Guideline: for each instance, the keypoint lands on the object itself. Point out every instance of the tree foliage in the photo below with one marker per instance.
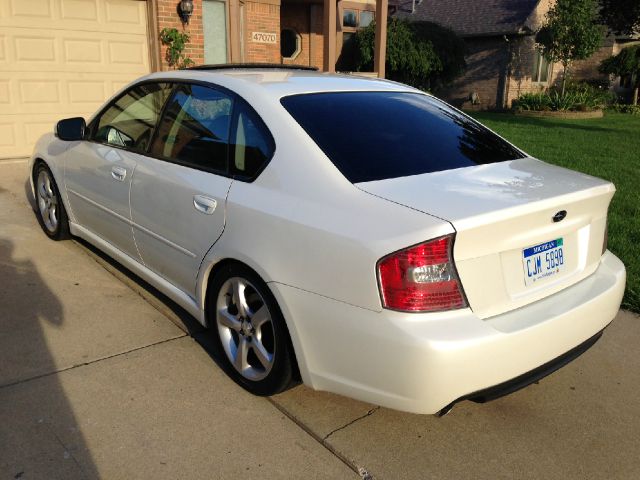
(621, 16)
(571, 32)
(423, 55)
(627, 62)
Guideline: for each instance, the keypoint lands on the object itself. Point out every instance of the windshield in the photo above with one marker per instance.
(378, 135)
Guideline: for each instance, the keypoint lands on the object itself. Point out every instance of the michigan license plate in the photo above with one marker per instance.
(543, 261)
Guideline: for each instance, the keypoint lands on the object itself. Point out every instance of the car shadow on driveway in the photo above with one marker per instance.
(33, 413)
(178, 315)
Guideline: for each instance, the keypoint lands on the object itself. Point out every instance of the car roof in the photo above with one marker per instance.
(280, 82)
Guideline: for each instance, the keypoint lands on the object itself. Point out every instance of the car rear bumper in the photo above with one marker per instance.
(421, 363)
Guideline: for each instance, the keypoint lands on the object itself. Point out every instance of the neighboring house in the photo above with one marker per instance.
(64, 58)
(502, 60)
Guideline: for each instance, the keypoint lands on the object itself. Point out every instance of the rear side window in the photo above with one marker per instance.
(194, 129)
(379, 135)
(129, 121)
(251, 145)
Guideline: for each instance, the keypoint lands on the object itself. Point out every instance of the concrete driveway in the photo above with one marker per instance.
(103, 377)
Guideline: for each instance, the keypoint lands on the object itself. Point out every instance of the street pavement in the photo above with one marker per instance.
(101, 376)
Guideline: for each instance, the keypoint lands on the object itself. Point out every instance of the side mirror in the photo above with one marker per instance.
(71, 129)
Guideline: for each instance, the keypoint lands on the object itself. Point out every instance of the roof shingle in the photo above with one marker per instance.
(470, 17)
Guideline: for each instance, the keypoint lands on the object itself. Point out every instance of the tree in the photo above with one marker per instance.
(449, 48)
(408, 60)
(621, 16)
(627, 62)
(571, 32)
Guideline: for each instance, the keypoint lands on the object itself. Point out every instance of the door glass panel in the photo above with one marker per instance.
(195, 128)
(130, 120)
(252, 145)
(214, 25)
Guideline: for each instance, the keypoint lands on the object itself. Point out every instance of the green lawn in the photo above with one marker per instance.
(609, 148)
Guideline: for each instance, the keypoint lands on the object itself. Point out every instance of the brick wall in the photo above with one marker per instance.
(261, 17)
(168, 18)
(306, 20)
(486, 57)
(296, 17)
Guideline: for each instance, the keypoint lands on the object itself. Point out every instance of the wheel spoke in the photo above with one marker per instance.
(42, 189)
(265, 357)
(240, 360)
(53, 217)
(47, 186)
(228, 320)
(260, 317)
(239, 299)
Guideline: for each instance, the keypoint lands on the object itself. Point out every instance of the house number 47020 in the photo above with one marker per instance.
(262, 37)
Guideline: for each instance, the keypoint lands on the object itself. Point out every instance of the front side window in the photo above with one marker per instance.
(379, 135)
(195, 128)
(252, 145)
(130, 120)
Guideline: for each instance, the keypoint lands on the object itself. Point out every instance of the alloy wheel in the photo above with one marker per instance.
(47, 201)
(245, 327)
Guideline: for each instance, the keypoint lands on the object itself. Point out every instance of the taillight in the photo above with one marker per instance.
(421, 278)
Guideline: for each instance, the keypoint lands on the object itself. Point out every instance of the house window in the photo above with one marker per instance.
(366, 17)
(350, 18)
(356, 19)
(289, 43)
(353, 20)
(541, 68)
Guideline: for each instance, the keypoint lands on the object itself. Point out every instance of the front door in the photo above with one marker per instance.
(98, 171)
(179, 191)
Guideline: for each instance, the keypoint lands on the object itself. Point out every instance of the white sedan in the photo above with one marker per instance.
(355, 233)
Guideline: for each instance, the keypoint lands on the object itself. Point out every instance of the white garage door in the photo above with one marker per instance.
(63, 58)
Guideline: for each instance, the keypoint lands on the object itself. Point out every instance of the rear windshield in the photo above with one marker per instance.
(379, 135)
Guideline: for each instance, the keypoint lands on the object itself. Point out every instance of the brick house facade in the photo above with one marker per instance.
(304, 18)
(502, 61)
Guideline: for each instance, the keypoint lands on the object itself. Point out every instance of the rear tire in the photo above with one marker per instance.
(251, 337)
(50, 210)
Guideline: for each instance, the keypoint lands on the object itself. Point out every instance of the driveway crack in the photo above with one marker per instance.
(346, 425)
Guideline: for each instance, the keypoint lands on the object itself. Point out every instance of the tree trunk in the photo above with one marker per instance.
(634, 101)
(564, 77)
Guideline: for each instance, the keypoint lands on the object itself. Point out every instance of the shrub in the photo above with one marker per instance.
(580, 96)
(424, 55)
(626, 108)
(175, 42)
(533, 101)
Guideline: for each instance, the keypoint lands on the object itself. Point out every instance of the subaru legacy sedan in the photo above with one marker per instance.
(354, 233)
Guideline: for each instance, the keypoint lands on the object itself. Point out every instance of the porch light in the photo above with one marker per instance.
(185, 9)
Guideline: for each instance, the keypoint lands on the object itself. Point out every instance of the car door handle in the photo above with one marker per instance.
(119, 173)
(204, 204)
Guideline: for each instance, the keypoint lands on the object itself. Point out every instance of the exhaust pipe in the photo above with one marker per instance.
(445, 410)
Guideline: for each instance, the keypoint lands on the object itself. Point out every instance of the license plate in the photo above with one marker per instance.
(543, 261)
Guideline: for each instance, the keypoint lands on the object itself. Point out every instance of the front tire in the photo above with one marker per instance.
(50, 210)
(251, 336)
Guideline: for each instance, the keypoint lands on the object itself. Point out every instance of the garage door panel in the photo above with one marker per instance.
(67, 93)
(79, 10)
(30, 8)
(109, 16)
(70, 51)
(64, 58)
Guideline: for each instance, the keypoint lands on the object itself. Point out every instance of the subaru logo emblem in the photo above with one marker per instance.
(558, 217)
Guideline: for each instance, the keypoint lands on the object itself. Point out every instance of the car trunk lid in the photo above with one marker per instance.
(503, 215)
